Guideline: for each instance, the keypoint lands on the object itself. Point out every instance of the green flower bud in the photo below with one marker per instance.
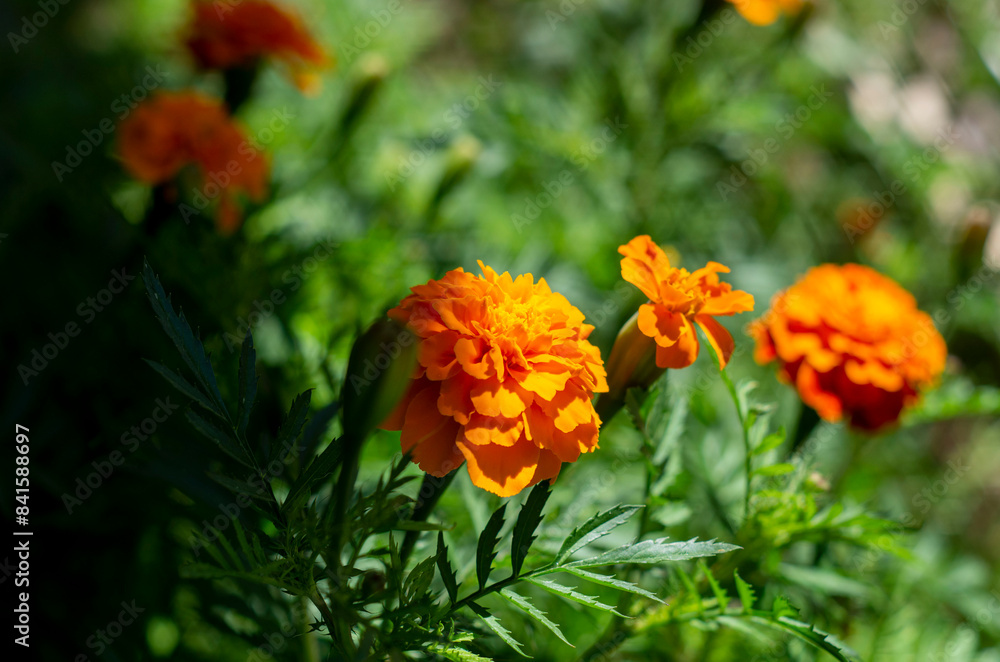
(378, 373)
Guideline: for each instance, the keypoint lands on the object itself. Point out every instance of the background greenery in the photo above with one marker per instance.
(405, 184)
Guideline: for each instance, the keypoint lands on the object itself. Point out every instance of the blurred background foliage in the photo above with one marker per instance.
(537, 137)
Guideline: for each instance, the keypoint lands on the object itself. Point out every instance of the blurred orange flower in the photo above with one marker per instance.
(852, 342)
(505, 380)
(765, 12)
(224, 35)
(678, 298)
(175, 129)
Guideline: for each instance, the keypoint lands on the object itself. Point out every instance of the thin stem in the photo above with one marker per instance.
(430, 493)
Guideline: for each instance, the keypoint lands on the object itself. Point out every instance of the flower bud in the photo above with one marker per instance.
(378, 372)
(632, 364)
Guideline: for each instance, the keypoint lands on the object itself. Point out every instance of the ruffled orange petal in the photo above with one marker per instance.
(644, 262)
(718, 337)
(682, 354)
(504, 471)
(660, 323)
(428, 435)
(730, 303)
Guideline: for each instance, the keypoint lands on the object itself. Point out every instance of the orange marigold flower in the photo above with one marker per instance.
(223, 35)
(677, 301)
(765, 12)
(853, 343)
(504, 380)
(174, 129)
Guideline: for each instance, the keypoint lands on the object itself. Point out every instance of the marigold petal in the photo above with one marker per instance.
(682, 354)
(481, 430)
(730, 303)
(718, 337)
(493, 398)
(643, 263)
(660, 323)
(454, 399)
(544, 379)
(548, 467)
(827, 405)
(504, 471)
(429, 436)
(437, 355)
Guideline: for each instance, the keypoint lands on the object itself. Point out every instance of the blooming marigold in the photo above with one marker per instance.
(853, 343)
(222, 36)
(676, 300)
(765, 12)
(174, 129)
(504, 380)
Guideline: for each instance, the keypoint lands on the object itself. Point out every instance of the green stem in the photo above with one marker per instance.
(430, 493)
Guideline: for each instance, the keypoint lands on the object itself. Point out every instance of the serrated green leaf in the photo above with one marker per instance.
(535, 613)
(593, 529)
(527, 521)
(184, 386)
(672, 435)
(456, 654)
(486, 549)
(572, 594)
(291, 428)
(419, 579)
(770, 442)
(184, 339)
(775, 469)
(319, 468)
(721, 597)
(409, 525)
(655, 551)
(247, 384)
(745, 591)
(447, 574)
(239, 486)
(783, 608)
(614, 582)
(495, 625)
(225, 443)
(822, 640)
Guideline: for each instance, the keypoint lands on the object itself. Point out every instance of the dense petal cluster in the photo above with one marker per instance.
(225, 35)
(852, 342)
(765, 12)
(504, 381)
(678, 300)
(172, 130)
